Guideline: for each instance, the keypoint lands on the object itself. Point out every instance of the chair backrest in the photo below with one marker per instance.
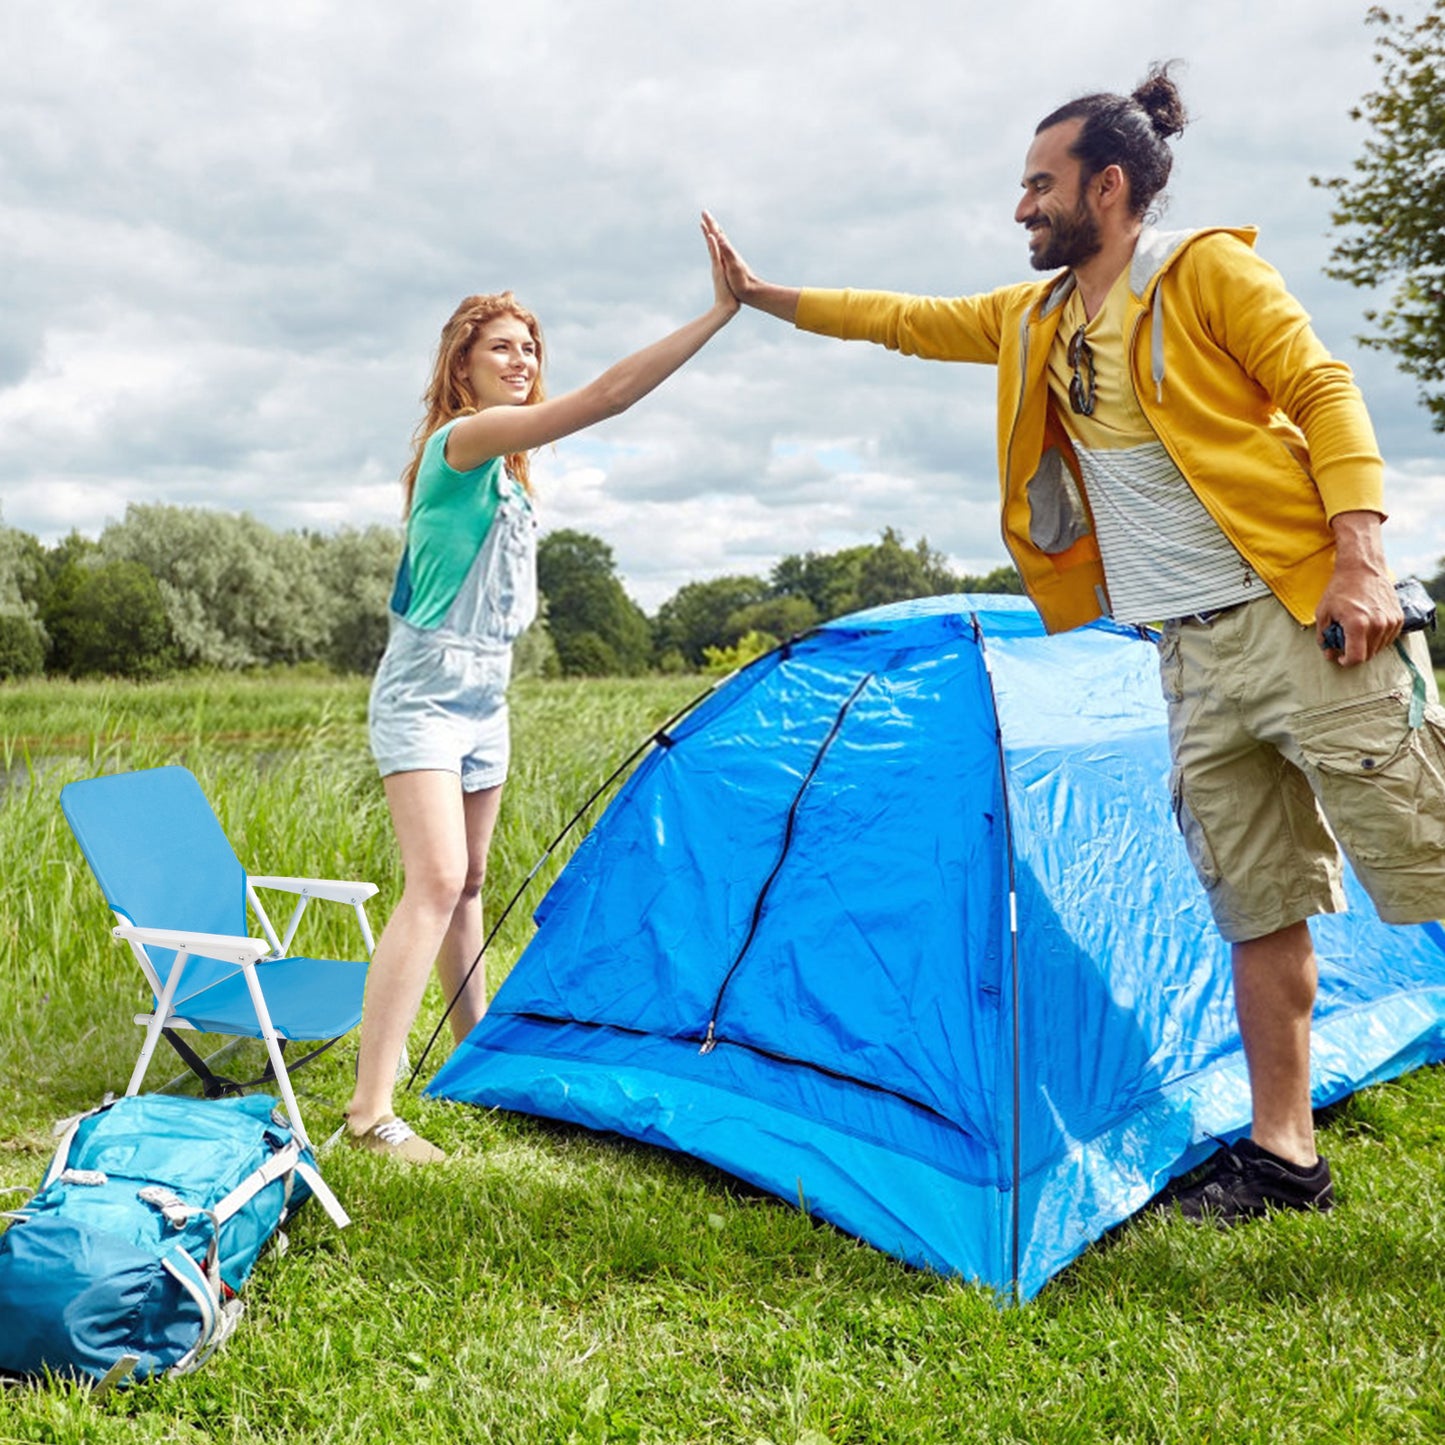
(160, 857)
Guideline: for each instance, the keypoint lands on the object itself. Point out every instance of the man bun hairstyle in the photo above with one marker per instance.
(1158, 97)
(1128, 131)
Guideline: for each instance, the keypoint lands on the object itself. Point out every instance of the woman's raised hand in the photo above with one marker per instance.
(750, 289)
(722, 292)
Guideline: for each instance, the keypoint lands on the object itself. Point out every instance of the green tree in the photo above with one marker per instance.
(829, 580)
(23, 581)
(891, 572)
(73, 549)
(534, 654)
(25, 569)
(23, 643)
(355, 571)
(236, 593)
(719, 661)
(868, 576)
(108, 618)
(1435, 586)
(700, 615)
(596, 627)
(776, 618)
(704, 620)
(1391, 207)
(1003, 579)
(589, 655)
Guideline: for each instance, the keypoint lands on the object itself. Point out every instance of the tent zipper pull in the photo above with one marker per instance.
(710, 1042)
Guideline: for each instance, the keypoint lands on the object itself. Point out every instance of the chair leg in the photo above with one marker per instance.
(157, 1023)
(288, 1094)
(148, 1048)
(273, 1049)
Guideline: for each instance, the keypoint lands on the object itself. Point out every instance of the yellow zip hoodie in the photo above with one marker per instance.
(1265, 425)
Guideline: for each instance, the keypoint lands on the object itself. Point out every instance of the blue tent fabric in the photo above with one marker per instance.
(897, 925)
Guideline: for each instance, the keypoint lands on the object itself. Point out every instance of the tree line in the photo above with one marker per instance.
(174, 587)
(180, 587)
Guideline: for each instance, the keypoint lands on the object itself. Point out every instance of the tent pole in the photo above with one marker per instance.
(1013, 924)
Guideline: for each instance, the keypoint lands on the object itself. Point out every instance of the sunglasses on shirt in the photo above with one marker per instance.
(1081, 391)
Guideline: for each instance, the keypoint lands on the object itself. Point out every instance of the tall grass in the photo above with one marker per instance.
(551, 1285)
(285, 763)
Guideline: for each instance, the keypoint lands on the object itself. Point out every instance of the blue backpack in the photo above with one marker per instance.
(128, 1259)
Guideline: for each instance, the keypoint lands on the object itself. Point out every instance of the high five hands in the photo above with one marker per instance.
(749, 288)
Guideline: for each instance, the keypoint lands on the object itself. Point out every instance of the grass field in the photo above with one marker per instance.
(550, 1285)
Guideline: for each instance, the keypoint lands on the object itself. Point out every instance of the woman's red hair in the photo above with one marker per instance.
(449, 393)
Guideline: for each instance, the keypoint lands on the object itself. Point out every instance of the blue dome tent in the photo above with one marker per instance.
(897, 925)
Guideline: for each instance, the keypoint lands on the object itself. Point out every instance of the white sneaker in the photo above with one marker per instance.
(396, 1138)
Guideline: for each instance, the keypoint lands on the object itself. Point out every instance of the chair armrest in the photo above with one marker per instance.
(223, 946)
(332, 889)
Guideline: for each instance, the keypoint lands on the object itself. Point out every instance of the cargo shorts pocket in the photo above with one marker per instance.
(1171, 664)
(1380, 782)
(1196, 840)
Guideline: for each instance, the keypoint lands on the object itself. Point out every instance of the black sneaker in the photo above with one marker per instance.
(1244, 1181)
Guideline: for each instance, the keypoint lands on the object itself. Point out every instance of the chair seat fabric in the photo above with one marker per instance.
(307, 998)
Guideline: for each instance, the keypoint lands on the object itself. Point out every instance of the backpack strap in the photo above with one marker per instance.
(319, 1187)
(61, 1160)
(285, 1161)
(278, 1166)
(177, 1213)
(22, 1214)
(217, 1320)
(114, 1376)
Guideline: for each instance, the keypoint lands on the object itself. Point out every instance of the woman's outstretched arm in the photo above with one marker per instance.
(500, 430)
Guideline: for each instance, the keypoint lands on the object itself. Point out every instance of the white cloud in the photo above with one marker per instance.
(232, 235)
(1415, 544)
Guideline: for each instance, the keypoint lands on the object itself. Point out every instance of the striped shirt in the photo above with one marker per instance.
(1164, 555)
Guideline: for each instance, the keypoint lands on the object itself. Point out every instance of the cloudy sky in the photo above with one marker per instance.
(231, 235)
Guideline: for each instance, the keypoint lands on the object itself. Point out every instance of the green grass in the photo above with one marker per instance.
(551, 1285)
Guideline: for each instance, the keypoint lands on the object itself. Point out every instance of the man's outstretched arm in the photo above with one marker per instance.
(751, 290)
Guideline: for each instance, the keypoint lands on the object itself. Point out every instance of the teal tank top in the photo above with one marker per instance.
(451, 514)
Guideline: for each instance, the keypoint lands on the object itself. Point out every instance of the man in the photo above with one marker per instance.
(1176, 446)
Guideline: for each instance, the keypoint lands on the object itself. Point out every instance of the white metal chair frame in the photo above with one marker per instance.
(245, 953)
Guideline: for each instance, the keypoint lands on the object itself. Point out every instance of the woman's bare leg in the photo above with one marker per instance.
(429, 816)
(463, 941)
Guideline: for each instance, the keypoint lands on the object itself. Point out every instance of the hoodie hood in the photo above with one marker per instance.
(1156, 249)
(1154, 253)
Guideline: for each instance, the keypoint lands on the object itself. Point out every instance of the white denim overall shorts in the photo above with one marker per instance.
(439, 699)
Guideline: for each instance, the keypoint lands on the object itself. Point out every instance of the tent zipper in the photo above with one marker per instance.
(710, 1039)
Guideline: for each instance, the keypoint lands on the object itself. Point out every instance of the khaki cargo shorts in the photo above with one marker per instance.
(1278, 752)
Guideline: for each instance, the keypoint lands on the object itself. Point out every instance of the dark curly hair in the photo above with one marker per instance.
(1128, 131)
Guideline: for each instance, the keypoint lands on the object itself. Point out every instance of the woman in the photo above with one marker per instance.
(465, 590)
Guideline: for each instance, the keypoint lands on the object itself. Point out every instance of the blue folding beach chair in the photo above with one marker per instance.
(180, 896)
